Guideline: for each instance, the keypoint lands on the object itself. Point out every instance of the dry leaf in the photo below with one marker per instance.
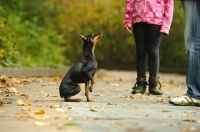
(43, 93)
(167, 124)
(165, 111)
(1, 104)
(2, 111)
(99, 95)
(54, 106)
(115, 85)
(165, 85)
(191, 120)
(183, 114)
(12, 90)
(25, 109)
(20, 102)
(39, 123)
(66, 117)
(137, 106)
(40, 112)
(2, 98)
(120, 123)
(82, 85)
(98, 110)
(60, 110)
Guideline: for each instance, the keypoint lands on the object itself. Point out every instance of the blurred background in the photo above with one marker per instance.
(44, 33)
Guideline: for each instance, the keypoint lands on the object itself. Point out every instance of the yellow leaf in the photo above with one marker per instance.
(115, 85)
(54, 106)
(40, 112)
(12, 90)
(39, 123)
(165, 85)
(98, 110)
(60, 110)
(20, 102)
(99, 94)
(137, 106)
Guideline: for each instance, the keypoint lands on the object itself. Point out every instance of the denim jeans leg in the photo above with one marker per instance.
(192, 46)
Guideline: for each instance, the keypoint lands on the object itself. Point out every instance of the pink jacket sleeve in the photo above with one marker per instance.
(169, 8)
(128, 13)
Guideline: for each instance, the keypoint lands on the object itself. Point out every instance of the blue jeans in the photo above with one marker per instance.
(192, 46)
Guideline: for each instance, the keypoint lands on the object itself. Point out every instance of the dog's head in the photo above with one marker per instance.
(91, 39)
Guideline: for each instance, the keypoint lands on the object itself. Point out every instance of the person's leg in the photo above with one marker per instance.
(153, 44)
(192, 46)
(141, 53)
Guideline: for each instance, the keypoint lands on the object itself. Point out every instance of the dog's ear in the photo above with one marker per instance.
(98, 36)
(83, 36)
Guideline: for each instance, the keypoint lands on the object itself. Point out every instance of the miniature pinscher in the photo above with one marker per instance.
(82, 71)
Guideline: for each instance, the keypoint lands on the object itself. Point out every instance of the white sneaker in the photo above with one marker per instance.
(185, 101)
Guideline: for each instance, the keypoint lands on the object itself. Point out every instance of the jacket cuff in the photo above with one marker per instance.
(164, 30)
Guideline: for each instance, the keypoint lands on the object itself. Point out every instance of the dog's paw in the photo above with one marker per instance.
(73, 100)
(90, 100)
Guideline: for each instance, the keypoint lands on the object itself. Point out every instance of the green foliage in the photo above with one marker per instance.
(44, 33)
(27, 37)
(117, 47)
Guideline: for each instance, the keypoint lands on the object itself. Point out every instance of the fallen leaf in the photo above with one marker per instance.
(120, 123)
(20, 102)
(165, 85)
(165, 111)
(2, 98)
(39, 123)
(2, 111)
(12, 90)
(25, 109)
(98, 95)
(98, 110)
(115, 85)
(82, 85)
(54, 106)
(60, 110)
(43, 93)
(137, 106)
(167, 124)
(66, 117)
(183, 114)
(1, 104)
(191, 120)
(52, 96)
(40, 112)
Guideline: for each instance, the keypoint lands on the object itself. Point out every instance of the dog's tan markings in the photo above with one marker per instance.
(80, 65)
(96, 38)
(83, 36)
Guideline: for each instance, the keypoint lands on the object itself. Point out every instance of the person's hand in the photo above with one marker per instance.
(128, 29)
(163, 33)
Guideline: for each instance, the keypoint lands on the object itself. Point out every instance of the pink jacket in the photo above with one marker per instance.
(158, 12)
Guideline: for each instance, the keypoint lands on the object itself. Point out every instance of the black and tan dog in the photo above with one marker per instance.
(82, 71)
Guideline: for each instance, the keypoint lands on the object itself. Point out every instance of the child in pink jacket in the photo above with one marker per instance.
(149, 19)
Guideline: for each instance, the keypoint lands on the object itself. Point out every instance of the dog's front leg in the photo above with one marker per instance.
(91, 86)
(87, 91)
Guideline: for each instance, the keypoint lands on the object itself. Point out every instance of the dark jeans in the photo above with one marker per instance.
(147, 39)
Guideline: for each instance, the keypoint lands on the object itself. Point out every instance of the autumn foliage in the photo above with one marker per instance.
(44, 33)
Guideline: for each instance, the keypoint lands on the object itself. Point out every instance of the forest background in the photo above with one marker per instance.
(44, 33)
